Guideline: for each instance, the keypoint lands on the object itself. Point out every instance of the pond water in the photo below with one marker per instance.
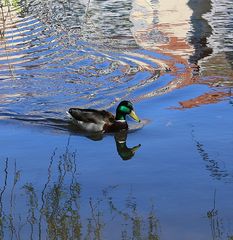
(173, 177)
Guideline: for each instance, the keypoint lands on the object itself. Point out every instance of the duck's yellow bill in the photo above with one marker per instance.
(134, 149)
(134, 116)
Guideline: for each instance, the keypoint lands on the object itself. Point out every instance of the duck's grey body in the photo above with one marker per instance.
(90, 119)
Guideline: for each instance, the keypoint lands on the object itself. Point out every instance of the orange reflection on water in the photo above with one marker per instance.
(168, 30)
(165, 31)
(207, 98)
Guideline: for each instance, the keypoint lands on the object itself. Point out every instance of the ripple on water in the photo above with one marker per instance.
(45, 72)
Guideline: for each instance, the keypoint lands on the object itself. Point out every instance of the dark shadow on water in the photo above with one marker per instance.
(201, 30)
(229, 56)
(216, 169)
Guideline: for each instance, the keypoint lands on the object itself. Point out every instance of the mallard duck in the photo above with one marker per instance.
(92, 120)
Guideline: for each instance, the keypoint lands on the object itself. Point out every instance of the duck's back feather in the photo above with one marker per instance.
(92, 115)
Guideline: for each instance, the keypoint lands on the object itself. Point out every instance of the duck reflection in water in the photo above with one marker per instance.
(125, 152)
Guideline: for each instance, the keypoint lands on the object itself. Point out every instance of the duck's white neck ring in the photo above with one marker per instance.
(122, 121)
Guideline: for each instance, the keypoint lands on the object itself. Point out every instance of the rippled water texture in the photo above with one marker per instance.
(46, 68)
(174, 61)
(64, 54)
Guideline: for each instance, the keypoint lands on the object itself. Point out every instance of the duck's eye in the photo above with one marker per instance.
(129, 105)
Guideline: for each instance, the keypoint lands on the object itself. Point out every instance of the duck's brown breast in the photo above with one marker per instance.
(116, 126)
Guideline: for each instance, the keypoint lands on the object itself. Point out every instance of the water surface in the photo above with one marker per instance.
(172, 178)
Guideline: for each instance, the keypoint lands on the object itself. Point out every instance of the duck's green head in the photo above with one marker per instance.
(126, 108)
